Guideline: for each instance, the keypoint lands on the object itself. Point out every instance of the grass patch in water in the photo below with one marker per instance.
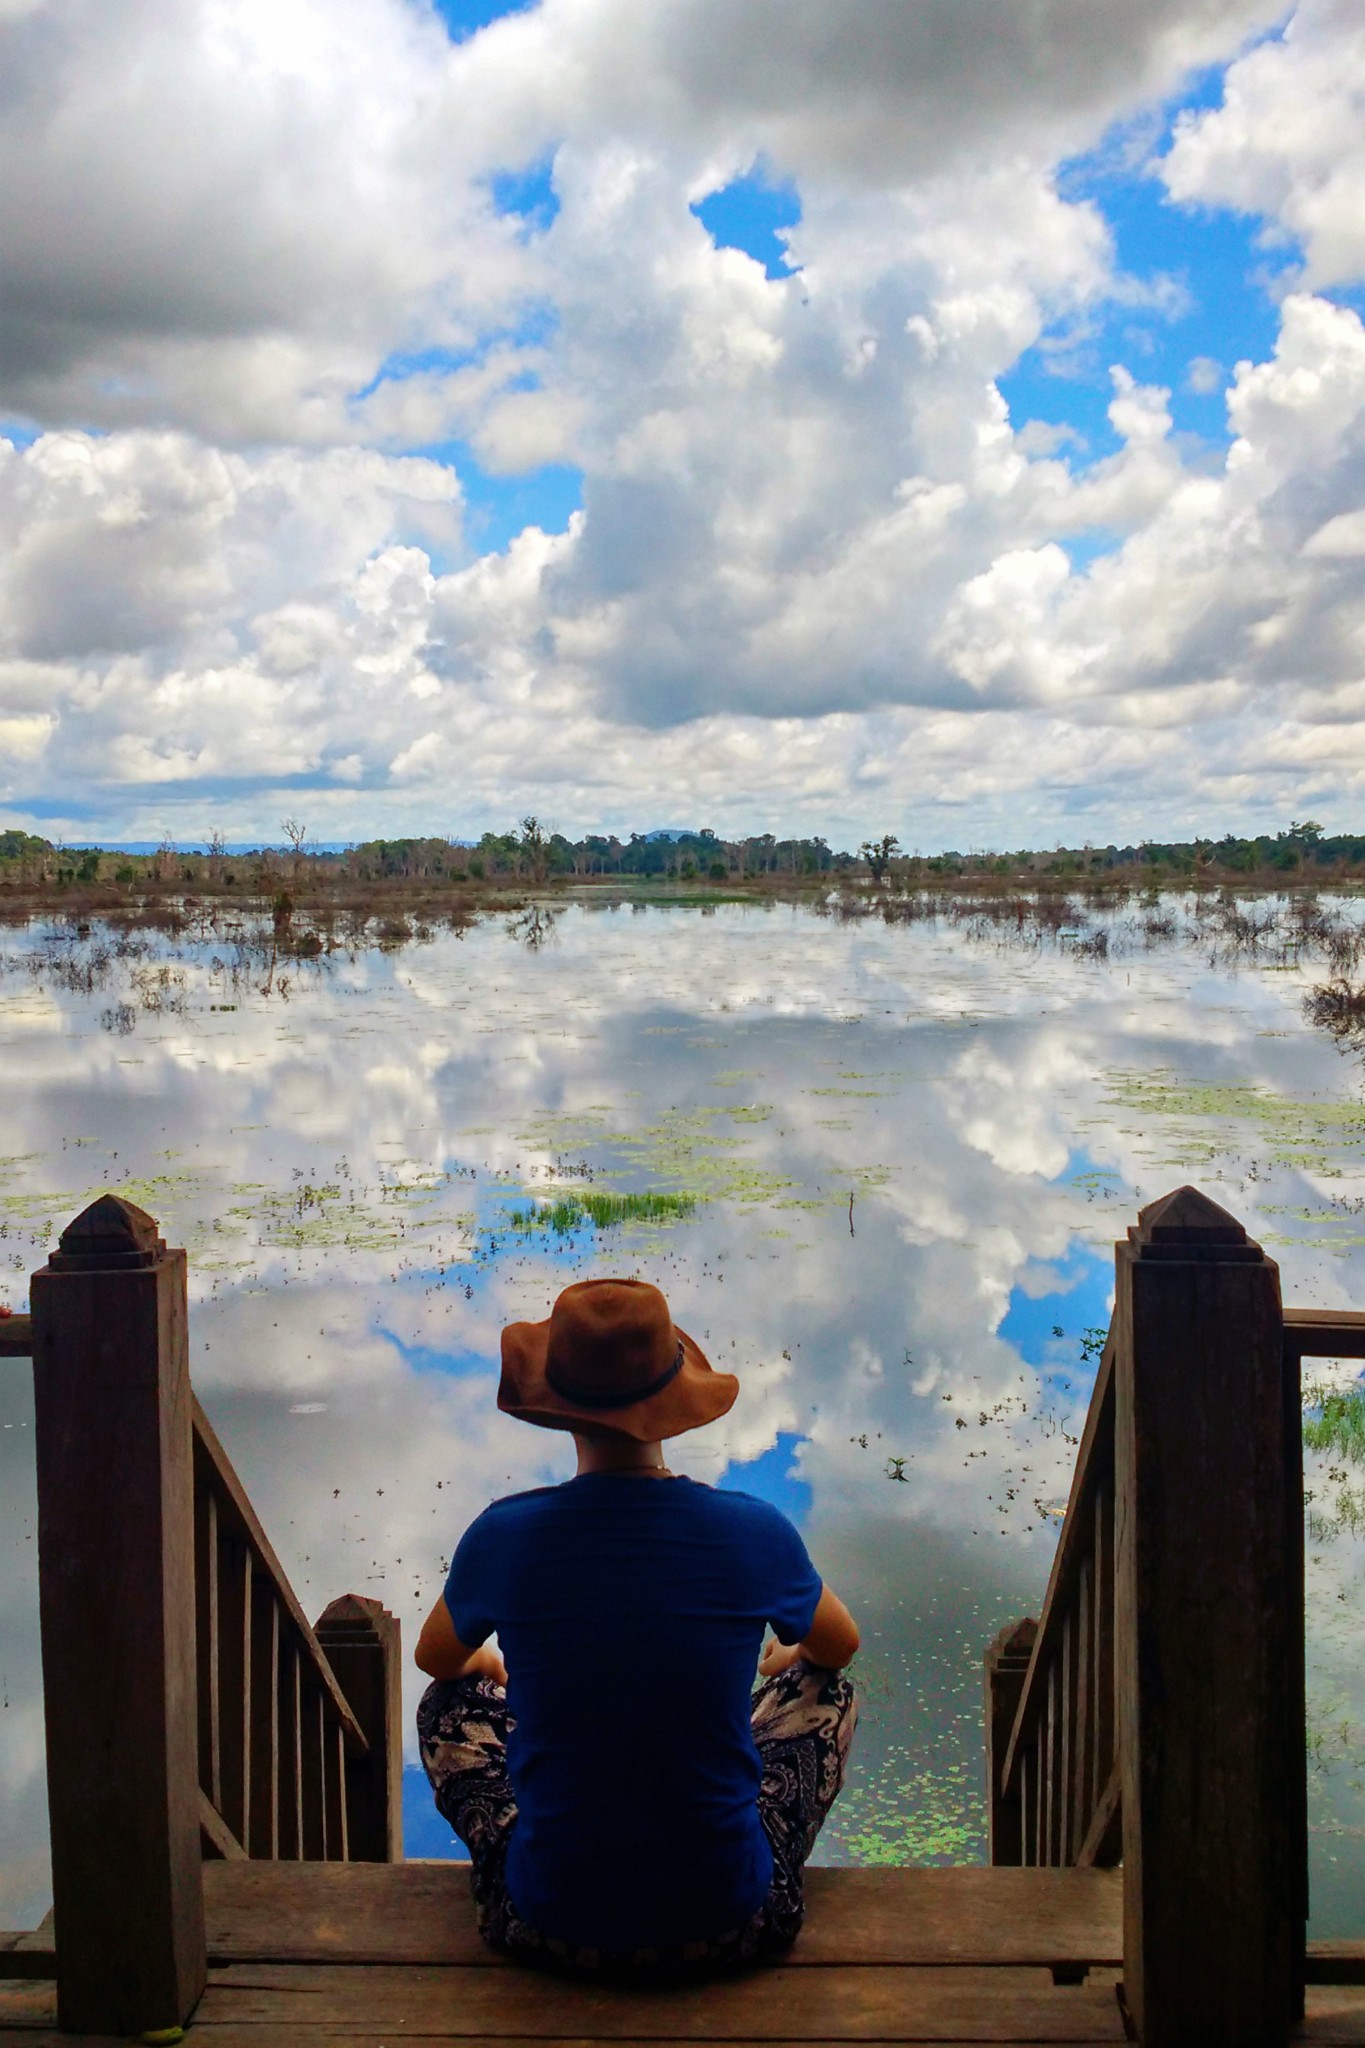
(603, 1211)
(1335, 1422)
(701, 1150)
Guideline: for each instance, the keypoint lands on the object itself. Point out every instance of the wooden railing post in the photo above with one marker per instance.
(116, 1601)
(361, 1640)
(1007, 1662)
(1208, 1612)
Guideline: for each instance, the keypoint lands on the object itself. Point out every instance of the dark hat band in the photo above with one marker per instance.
(594, 1398)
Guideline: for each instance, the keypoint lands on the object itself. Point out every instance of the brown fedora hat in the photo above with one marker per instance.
(610, 1357)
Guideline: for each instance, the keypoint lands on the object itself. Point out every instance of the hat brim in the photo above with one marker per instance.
(696, 1394)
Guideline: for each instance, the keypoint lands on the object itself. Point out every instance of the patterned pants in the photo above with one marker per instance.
(803, 1722)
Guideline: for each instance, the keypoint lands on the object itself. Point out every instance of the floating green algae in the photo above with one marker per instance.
(329, 1215)
(925, 1816)
(699, 1150)
(866, 1093)
(1202, 1121)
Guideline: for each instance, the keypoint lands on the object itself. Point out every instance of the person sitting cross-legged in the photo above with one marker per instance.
(632, 1808)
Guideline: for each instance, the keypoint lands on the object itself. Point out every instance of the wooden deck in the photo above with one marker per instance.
(335, 1953)
(1151, 1717)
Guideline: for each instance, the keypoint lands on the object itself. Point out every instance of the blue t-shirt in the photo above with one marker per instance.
(630, 1613)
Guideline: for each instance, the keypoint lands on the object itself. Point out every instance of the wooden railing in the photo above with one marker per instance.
(1054, 1766)
(16, 1336)
(191, 1709)
(285, 1765)
(1154, 1713)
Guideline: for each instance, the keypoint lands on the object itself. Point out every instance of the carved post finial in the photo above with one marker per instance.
(112, 1232)
(1186, 1225)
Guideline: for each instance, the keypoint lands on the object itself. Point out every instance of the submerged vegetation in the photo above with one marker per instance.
(1338, 1008)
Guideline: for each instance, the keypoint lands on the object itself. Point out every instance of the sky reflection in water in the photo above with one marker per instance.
(910, 1151)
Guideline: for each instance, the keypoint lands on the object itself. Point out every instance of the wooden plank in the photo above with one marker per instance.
(1337, 2014)
(837, 2004)
(264, 1825)
(424, 1913)
(235, 1509)
(1059, 1756)
(28, 2013)
(1084, 1727)
(1047, 1767)
(16, 1336)
(1104, 1752)
(26, 2006)
(1336, 1962)
(290, 1750)
(1094, 1464)
(363, 1644)
(1026, 1776)
(1066, 1747)
(28, 1957)
(1103, 1844)
(334, 1793)
(217, 1836)
(327, 2037)
(234, 1680)
(31, 1954)
(1005, 1665)
(1206, 1611)
(116, 1597)
(1296, 1758)
(1325, 1332)
(312, 1726)
(207, 1623)
(1040, 1811)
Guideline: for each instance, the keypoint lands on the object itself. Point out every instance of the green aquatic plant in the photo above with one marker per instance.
(915, 1816)
(1334, 1421)
(603, 1209)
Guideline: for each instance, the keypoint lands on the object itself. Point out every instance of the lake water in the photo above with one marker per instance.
(909, 1150)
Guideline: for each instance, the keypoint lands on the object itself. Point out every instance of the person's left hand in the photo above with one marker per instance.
(486, 1662)
(777, 1657)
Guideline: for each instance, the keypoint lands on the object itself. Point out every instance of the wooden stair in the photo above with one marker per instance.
(331, 1953)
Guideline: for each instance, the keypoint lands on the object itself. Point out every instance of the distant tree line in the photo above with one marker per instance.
(527, 854)
(532, 854)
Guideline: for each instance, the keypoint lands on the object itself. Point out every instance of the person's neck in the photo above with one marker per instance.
(619, 1454)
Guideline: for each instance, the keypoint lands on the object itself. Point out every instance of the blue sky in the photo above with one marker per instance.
(1203, 297)
(896, 430)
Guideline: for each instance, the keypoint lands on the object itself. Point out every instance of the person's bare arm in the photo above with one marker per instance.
(830, 1640)
(441, 1654)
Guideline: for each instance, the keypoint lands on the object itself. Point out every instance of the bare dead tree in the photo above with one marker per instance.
(295, 833)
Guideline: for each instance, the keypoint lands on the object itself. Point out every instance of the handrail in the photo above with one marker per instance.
(1055, 1798)
(1324, 1332)
(214, 1470)
(281, 1750)
(16, 1336)
(1094, 1460)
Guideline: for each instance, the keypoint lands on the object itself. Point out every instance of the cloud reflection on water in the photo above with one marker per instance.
(341, 1166)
